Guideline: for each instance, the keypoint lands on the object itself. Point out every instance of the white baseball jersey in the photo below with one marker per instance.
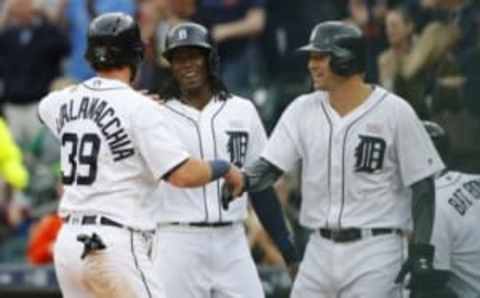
(356, 169)
(456, 232)
(229, 130)
(115, 149)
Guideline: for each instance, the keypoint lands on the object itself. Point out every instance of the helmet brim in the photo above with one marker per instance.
(313, 48)
(167, 54)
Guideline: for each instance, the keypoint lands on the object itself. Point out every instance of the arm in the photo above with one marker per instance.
(195, 173)
(423, 210)
(420, 251)
(435, 40)
(252, 24)
(261, 175)
(269, 211)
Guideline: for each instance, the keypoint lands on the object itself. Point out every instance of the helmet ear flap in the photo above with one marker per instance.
(343, 62)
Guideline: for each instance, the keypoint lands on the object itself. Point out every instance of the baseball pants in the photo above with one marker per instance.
(122, 270)
(206, 262)
(357, 269)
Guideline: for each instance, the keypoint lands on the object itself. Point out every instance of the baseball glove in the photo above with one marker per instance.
(430, 283)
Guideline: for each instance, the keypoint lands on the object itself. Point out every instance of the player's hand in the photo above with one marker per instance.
(152, 96)
(425, 281)
(420, 259)
(234, 180)
(233, 187)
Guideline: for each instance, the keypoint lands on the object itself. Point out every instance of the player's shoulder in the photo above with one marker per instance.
(306, 102)
(138, 101)
(49, 101)
(392, 99)
(240, 103)
(449, 179)
(59, 93)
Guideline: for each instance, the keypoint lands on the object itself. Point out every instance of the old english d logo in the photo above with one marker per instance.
(369, 153)
(237, 147)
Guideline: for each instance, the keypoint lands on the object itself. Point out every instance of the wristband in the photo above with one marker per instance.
(219, 168)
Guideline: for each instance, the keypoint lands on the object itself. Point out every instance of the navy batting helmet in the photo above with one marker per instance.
(191, 35)
(344, 43)
(113, 41)
(439, 137)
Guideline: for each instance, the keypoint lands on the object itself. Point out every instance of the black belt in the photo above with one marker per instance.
(202, 224)
(353, 234)
(92, 220)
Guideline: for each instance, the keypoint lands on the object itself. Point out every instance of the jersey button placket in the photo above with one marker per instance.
(336, 180)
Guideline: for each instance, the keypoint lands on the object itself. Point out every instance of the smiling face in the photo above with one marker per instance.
(190, 69)
(322, 76)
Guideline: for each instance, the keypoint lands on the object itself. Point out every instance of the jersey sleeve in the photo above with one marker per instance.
(442, 237)
(159, 147)
(258, 137)
(283, 147)
(417, 156)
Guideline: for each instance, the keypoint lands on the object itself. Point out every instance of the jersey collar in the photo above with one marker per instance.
(447, 179)
(375, 96)
(103, 84)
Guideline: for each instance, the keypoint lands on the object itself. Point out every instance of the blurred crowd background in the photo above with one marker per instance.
(427, 51)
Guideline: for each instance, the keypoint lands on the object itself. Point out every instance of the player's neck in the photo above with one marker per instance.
(349, 95)
(199, 99)
(119, 74)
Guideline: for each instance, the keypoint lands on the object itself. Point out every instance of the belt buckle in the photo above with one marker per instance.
(367, 233)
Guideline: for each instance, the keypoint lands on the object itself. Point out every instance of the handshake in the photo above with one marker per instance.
(234, 186)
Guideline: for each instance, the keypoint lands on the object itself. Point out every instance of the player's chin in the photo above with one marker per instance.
(190, 85)
(319, 86)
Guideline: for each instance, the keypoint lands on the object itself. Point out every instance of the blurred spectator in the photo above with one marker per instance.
(400, 33)
(466, 15)
(31, 50)
(77, 16)
(458, 112)
(42, 238)
(11, 167)
(43, 235)
(442, 45)
(369, 15)
(154, 19)
(235, 24)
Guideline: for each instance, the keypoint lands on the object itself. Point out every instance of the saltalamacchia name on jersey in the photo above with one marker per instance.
(106, 120)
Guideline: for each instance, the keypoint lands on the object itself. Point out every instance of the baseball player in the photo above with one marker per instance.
(365, 156)
(114, 152)
(202, 250)
(456, 235)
